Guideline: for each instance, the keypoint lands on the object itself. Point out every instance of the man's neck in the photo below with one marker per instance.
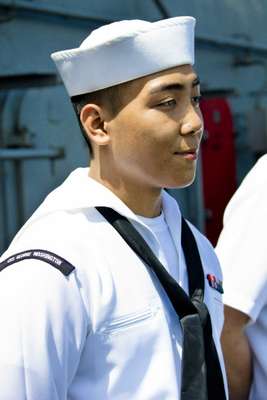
(141, 199)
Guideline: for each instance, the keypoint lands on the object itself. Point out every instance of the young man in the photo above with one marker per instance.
(242, 252)
(107, 329)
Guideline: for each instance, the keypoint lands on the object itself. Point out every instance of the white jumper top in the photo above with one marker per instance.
(242, 251)
(107, 331)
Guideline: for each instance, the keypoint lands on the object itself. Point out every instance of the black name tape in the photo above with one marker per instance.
(42, 255)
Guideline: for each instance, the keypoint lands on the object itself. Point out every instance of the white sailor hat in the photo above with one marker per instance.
(126, 50)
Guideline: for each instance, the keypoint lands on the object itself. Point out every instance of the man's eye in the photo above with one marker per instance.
(167, 103)
(196, 100)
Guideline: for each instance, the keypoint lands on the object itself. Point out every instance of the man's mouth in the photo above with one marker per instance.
(190, 154)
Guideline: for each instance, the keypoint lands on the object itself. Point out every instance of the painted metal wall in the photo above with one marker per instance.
(40, 141)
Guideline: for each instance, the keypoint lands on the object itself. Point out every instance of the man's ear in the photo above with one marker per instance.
(93, 121)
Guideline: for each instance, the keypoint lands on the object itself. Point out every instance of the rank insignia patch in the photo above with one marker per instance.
(215, 283)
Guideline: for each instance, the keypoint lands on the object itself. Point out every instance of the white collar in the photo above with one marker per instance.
(79, 191)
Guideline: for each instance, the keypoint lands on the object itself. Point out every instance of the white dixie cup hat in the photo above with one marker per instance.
(125, 50)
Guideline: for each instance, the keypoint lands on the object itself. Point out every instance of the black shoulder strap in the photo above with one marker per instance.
(193, 262)
(132, 237)
(42, 255)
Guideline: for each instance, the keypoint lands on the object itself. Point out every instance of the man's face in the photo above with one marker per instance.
(155, 137)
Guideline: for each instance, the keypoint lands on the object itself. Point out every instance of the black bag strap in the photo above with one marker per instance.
(201, 371)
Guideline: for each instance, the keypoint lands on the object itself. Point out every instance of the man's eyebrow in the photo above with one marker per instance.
(196, 82)
(172, 86)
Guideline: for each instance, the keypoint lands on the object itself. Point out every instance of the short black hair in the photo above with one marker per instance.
(110, 97)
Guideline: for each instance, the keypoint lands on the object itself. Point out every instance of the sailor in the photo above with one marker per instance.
(96, 298)
(242, 252)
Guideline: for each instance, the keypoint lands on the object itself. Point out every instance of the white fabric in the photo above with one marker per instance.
(126, 50)
(243, 255)
(167, 253)
(105, 332)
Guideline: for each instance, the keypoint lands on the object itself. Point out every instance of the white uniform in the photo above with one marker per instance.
(107, 331)
(243, 255)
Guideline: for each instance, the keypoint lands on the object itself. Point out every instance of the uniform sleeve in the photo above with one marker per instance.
(43, 329)
(242, 249)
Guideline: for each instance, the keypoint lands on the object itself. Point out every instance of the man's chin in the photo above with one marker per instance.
(181, 184)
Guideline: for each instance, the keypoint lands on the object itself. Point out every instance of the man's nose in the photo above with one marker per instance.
(192, 123)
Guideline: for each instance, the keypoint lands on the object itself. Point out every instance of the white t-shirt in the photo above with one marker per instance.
(242, 251)
(166, 252)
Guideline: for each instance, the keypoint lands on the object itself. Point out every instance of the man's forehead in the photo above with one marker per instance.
(182, 75)
(173, 78)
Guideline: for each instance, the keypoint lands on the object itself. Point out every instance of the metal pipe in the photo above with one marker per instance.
(19, 191)
(4, 228)
(19, 154)
(162, 8)
(234, 43)
(51, 9)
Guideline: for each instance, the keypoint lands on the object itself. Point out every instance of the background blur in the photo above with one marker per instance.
(40, 142)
